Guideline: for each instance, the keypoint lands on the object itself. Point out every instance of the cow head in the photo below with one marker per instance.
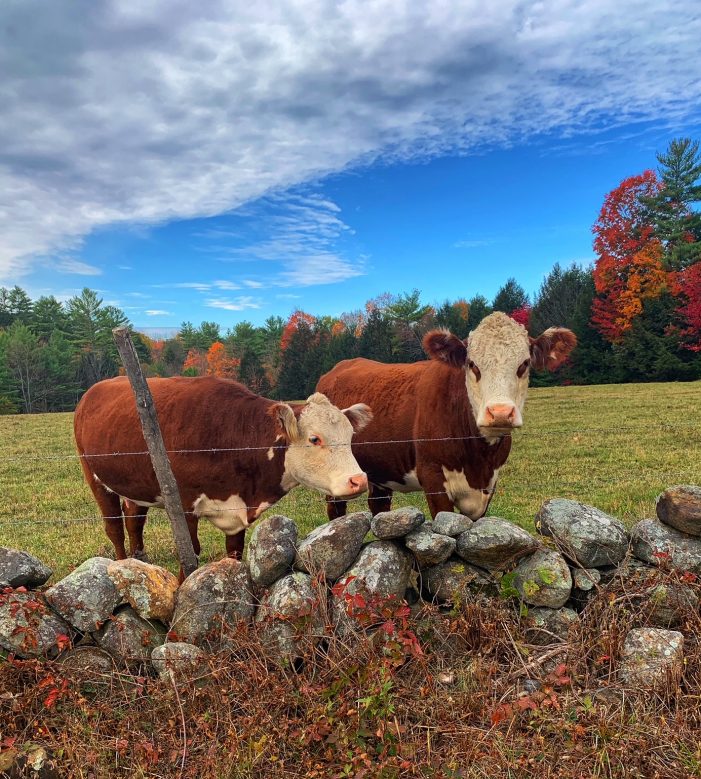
(319, 453)
(497, 357)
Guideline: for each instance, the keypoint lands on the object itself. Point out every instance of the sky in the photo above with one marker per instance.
(236, 160)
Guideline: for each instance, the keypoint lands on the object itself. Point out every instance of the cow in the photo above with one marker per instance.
(446, 421)
(233, 453)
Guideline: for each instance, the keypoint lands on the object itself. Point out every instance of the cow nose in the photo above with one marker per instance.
(357, 483)
(501, 415)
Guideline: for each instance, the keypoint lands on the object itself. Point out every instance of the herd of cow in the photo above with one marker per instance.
(441, 425)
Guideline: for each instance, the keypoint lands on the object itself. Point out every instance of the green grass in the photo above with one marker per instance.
(614, 446)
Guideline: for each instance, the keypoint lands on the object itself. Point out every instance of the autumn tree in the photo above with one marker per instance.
(219, 363)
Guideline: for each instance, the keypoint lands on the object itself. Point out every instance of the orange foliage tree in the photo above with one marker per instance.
(292, 325)
(630, 265)
(195, 363)
(219, 363)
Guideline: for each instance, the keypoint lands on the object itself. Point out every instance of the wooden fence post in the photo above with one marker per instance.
(157, 450)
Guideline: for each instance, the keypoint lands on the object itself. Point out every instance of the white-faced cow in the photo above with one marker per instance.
(265, 449)
(445, 420)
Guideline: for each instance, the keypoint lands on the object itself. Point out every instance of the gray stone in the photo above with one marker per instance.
(429, 548)
(21, 569)
(680, 507)
(543, 579)
(667, 605)
(495, 544)
(585, 579)
(583, 533)
(215, 597)
(548, 626)
(653, 542)
(272, 549)
(149, 589)
(129, 638)
(28, 627)
(652, 658)
(176, 660)
(87, 596)
(30, 761)
(397, 523)
(91, 666)
(448, 523)
(456, 581)
(382, 569)
(290, 615)
(331, 548)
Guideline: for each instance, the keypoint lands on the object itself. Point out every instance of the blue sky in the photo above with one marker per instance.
(231, 163)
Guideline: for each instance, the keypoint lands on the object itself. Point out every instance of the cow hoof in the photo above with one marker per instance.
(140, 554)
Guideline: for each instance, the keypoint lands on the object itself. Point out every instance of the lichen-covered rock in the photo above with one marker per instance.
(91, 666)
(21, 569)
(290, 615)
(211, 600)
(548, 626)
(585, 579)
(397, 523)
(456, 581)
(29, 761)
(653, 542)
(176, 659)
(495, 544)
(652, 658)
(448, 523)
(331, 548)
(668, 604)
(680, 508)
(381, 569)
(429, 548)
(583, 533)
(149, 589)
(129, 638)
(271, 549)
(87, 596)
(29, 628)
(543, 579)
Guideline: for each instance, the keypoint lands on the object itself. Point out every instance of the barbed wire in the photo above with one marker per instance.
(663, 426)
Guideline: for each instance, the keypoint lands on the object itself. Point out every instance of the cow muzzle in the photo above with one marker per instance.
(501, 416)
(356, 485)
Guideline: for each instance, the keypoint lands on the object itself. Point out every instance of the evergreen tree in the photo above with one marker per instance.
(454, 317)
(252, 372)
(479, 309)
(48, 316)
(297, 375)
(376, 339)
(23, 362)
(556, 300)
(510, 297)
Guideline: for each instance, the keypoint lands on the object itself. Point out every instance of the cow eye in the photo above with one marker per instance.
(474, 369)
(522, 368)
(314, 440)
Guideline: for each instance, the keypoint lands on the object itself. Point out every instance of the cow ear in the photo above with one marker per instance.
(359, 415)
(286, 420)
(443, 345)
(552, 348)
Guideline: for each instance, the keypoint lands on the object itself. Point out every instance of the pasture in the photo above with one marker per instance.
(614, 446)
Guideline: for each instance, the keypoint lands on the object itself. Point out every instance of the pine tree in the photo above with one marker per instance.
(479, 309)
(376, 339)
(556, 300)
(510, 297)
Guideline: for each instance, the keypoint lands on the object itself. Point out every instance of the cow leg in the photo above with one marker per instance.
(135, 519)
(379, 499)
(111, 510)
(335, 508)
(234, 545)
(433, 484)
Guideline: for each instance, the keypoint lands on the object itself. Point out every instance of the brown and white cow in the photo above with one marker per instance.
(445, 420)
(274, 447)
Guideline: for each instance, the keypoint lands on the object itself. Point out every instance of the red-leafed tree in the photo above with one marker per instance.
(522, 315)
(195, 363)
(630, 264)
(292, 326)
(688, 289)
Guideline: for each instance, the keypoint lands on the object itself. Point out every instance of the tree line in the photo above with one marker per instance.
(636, 313)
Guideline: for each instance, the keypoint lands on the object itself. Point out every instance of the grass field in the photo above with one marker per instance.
(614, 446)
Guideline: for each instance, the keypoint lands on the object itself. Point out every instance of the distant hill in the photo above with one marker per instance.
(158, 333)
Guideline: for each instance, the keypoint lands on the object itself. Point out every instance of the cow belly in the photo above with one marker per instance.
(409, 483)
(471, 501)
(230, 515)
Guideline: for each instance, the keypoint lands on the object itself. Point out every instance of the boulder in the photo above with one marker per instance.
(89, 665)
(456, 581)
(215, 597)
(397, 523)
(495, 544)
(271, 549)
(680, 508)
(382, 569)
(653, 542)
(29, 628)
(668, 604)
(129, 638)
(429, 548)
(290, 615)
(585, 579)
(543, 579)
(548, 626)
(583, 533)
(87, 596)
(448, 523)
(149, 589)
(652, 658)
(331, 548)
(21, 569)
(177, 660)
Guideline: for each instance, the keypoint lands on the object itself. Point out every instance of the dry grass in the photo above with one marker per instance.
(615, 446)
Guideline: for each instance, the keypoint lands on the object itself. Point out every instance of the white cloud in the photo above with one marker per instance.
(145, 113)
(157, 312)
(253, 284)
(472, 243)
(238, 304)
(69, 265)
(223, 284)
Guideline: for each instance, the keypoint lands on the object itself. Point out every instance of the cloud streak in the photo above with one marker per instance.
(141, 114)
